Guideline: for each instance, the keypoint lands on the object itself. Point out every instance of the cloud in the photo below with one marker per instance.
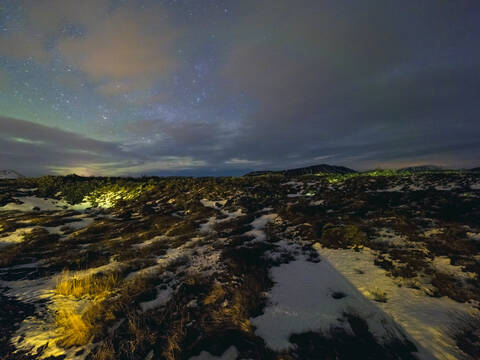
(23, 45)
(48, 16)
(120, 48)
(35, 149)
(32, 148)
(129, 50)
(131, 168)
(4, 80)
(328, 77)
(43, 20)
(64, 140)
(179, 136)
(243, 162)
(281, 83)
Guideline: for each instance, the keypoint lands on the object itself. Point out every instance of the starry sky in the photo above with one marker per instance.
(210, 87)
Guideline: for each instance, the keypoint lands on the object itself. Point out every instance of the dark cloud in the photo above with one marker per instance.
(328, 72)
(35, 149)
(36, 133)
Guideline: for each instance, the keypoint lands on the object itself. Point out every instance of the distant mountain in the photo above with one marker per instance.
(422, 168)
(10, 174)
(314, 169)
(477, 169)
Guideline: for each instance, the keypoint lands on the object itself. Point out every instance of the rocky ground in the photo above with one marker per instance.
(382, 265)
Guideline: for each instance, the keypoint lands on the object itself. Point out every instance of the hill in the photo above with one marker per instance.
(422, 168)
(314, 169)
(10, 174)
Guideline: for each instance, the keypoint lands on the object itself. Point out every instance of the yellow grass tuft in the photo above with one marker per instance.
(95, 286)
(74, 328)
(77, 326)
(217, 293)
(379, 295)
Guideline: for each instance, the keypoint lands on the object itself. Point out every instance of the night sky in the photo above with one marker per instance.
(203, 87)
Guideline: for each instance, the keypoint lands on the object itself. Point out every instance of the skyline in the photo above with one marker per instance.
(110, 87)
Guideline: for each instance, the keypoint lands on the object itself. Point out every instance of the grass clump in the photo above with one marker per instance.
(217, 293)
(379, 295)
(76, 327)
(94, 286)
(77, 324)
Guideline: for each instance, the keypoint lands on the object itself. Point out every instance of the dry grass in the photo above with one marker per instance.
(140, 338)
(174, 339)
(74, 329)
(217, 293)
(379, 295)
(234, 315)
(95, 286)
(77, 326)
(105, 351)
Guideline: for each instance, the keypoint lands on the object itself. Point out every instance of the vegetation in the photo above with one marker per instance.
(153, 270)
(96, 286)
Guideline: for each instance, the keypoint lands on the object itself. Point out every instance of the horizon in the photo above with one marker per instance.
(239, 172)
(222, 88)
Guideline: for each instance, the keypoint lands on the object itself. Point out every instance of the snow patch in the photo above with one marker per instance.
(397, 188)
(212, 220)
(443, 264)
(15, 237)
(302, 300)
(213, 203)
(473, 236)
(259, 225)
(427, 320)
(163, 295)
(230, 354)
(28, 203)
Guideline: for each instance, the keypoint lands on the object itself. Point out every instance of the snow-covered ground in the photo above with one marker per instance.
(230, 354)
(15, 237)
(427, 320)
(40, 332)
(309, 293)
(311, 296)
(259, 225)
(217, 205)
(29, 203)
(9, 174)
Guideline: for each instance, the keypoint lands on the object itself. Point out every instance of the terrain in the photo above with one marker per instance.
(9, 174)
(376, 265)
